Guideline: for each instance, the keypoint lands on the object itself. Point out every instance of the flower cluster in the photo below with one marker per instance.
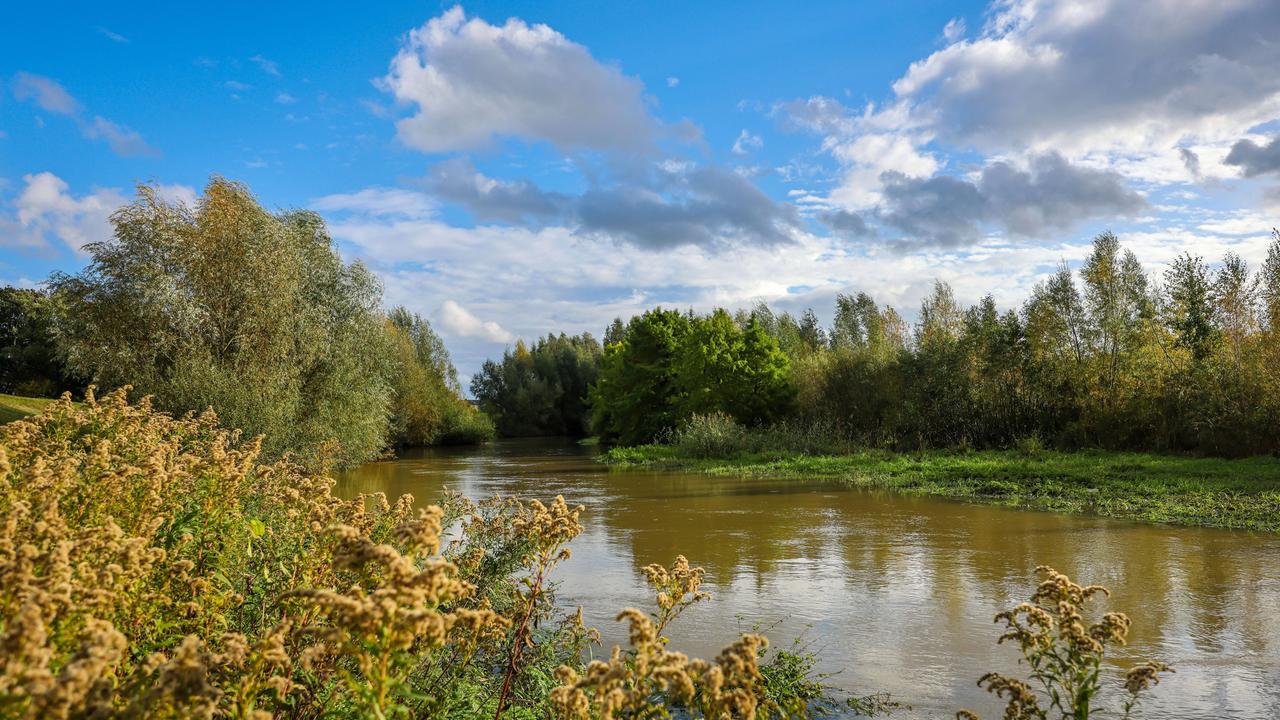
(648, 678)
(1064, 653)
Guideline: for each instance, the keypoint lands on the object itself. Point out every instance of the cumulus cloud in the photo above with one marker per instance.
(48, 94)
(1135, 75)
(46, 212)
(847, 224)
(675, 204)
(708, 207)
(1050, 194)
(458, 320)
(472, 82)
(378, 202)
(1254, 159)
(485, 198)
(1190, 160)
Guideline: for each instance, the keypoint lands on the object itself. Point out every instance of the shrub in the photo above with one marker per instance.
(1065, 655)
(152, 567)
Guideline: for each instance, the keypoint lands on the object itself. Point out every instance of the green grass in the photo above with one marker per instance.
(16, 407)
(1208, 492)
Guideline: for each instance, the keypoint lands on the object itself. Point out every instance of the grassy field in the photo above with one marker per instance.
(14, 407)
(1209, 492)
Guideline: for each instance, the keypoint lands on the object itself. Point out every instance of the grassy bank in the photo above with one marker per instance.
(15, 407)
(1208, 492)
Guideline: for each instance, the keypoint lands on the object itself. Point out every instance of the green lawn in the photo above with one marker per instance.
(15, 407)
(1210, 492)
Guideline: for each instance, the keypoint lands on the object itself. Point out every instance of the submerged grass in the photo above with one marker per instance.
(1208, 492)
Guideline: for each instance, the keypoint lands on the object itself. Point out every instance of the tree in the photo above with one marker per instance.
(1269, 282)
(29, 363)
(226, 305)
(1235, 296)
(426, 406)
(540, 390)
(634, 402)
(1190, 310)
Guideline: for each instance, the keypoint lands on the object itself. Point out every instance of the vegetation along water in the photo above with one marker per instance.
(222, 530)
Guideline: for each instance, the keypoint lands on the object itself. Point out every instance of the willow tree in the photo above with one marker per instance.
(226, 305)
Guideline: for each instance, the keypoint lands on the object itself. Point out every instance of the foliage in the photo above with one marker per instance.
(1099, 358)
(152, 567)
(226, 305)
(648, 680)
(669, 367)
(1107, 359)
(540, 390)
(426, 408)
(1211, 492)
(1064, 655)
(29, 363)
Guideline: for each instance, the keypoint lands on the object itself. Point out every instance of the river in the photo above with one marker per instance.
(896, 593)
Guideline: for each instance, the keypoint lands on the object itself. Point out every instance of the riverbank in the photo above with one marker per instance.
(1206, 492)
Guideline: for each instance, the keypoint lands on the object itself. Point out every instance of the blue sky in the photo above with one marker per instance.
(514, 168)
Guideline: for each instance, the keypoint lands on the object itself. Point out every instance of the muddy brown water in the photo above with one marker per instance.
(896, 593)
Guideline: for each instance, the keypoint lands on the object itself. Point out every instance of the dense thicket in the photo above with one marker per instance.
(29, 362)
(540, 390)
(154, 567)
(666, 367)
(426, 405)
(1106, 357)
(254, 314)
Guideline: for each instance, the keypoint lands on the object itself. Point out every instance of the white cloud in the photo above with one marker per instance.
(457, 319)
(123, 141)
(673, 81)
(269, 67)
(285, 98)
(45, 92)
(954, 29)
(47, 211)
(112, 36)
(472, 82)
(378, 202)
(49, 95)
(746, 142)
(1132, 76)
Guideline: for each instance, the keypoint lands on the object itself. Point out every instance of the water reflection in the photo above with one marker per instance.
(897, 592)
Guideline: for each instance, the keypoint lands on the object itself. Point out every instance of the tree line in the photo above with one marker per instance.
(252, 313)
(1106, 356)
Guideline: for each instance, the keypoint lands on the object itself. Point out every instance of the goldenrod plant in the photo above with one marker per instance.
(153, 567)
(1064, 655)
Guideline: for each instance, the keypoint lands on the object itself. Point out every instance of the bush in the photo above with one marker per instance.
(151, 567)
(1064, 655)
(229, 306)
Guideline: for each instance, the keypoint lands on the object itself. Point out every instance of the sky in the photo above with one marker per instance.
(513, 169)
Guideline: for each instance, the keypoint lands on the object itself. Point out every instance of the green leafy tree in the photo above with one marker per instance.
(540, 390)
(29, 362)
(635, 399)
(229, 306)
(1190, 310)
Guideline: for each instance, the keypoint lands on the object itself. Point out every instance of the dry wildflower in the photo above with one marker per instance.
(1064, 653)
(546, 532)
(648, 678)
